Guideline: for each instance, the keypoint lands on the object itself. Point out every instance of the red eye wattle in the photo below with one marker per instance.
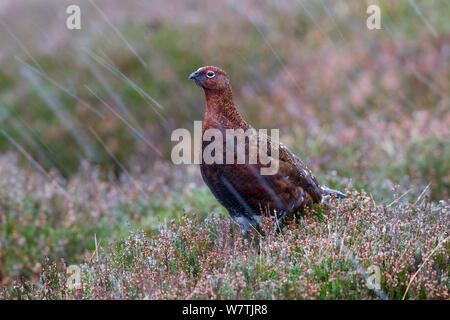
(210, 73)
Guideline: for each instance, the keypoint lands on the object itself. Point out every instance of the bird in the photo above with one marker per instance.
(240, 187)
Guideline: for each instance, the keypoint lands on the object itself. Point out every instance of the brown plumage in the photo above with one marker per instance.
(241, 188)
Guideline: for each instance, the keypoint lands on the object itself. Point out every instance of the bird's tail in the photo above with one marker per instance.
(331, 192)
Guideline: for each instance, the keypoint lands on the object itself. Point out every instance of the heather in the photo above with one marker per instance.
(367, 110)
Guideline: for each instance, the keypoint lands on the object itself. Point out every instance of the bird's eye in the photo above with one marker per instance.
(210, 74)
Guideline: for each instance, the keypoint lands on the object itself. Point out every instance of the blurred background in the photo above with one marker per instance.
(368, 105)
(365, 109)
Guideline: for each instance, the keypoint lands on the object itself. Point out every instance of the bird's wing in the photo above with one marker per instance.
(294, 168)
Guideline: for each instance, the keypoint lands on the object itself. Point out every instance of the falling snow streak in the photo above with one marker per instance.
(121, 166)
(266, 41)
(422, 17)
(331, 15)
(416, 73)
(36, 164)
(20, 44)
(119, 34)
(116, 98)
(149, 99)
(69, 122)
(33, 140)
(67, 91)
(138, 133)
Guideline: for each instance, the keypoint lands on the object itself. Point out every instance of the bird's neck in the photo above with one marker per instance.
(220, 109)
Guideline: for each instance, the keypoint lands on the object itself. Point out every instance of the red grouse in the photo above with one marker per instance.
(241, 188)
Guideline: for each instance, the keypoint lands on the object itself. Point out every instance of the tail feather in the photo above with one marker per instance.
(331, 192)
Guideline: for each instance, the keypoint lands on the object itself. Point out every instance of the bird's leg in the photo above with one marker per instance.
(243, 222)
(256, 223)
(278, 220)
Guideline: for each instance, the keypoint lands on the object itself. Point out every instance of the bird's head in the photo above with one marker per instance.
(211, 78)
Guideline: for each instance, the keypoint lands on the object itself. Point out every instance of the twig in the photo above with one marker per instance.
(396, 200)
(423, 263)
(374, 203)
(422, 193)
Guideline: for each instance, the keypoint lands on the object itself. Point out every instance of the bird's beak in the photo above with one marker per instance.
(193, 75)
